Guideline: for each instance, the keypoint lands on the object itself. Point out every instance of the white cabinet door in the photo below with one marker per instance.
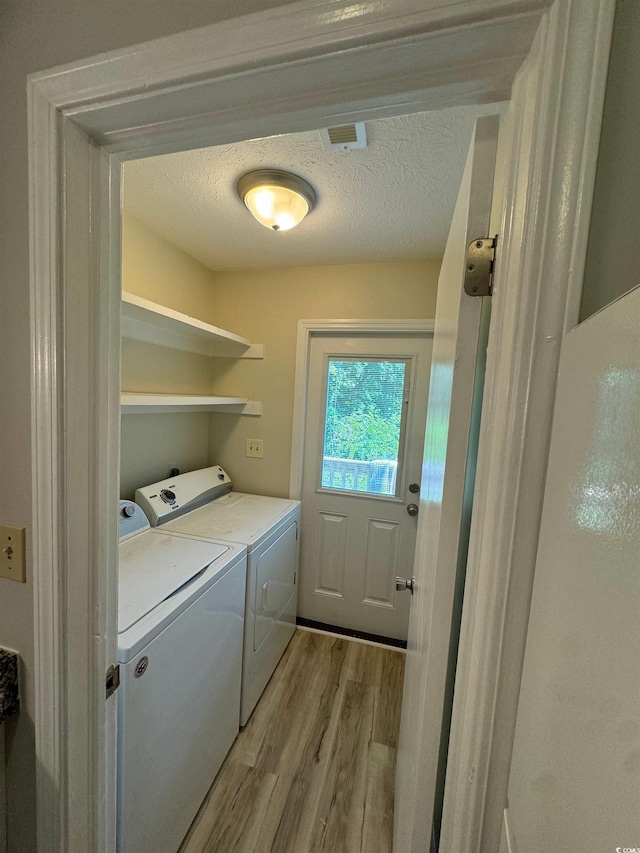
(574, 784)
(366, 408)
(444, 501)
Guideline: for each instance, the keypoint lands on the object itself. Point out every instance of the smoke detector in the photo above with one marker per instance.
(345, 137)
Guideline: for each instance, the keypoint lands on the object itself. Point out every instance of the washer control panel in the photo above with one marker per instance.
(173, 497)
(131, 519)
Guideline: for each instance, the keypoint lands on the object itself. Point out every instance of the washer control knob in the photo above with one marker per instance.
(221, 476)
(128, 510)
(167, 496)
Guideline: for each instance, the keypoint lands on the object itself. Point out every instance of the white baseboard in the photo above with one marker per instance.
(507, 834)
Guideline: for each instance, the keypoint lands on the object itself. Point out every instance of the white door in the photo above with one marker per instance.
(366, 406)
(444, 501)
(574, 783)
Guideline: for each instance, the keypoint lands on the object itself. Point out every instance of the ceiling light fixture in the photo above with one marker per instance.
(278, 200)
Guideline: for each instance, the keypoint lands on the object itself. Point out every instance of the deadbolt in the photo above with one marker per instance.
(412, 509)
(414, 488)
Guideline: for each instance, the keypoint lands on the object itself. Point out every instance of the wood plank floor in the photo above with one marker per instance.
(314, 768)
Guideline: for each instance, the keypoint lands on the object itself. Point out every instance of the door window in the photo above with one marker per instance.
(365, 413)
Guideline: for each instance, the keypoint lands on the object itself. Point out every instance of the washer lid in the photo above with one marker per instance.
(155, 566)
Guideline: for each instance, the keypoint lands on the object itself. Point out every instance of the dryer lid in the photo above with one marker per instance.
(236, 517)
(154, 566)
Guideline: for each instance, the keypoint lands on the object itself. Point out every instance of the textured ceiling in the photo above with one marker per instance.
(391, 201)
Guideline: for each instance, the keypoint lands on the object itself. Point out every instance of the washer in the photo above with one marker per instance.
(180, 634)
(269, 527)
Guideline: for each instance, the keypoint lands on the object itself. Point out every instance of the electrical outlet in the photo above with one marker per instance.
(253, 447)
(12, 557)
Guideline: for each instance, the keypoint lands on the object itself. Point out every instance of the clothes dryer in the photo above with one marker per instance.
(269, 527)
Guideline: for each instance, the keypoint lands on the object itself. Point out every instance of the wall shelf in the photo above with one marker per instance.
(147, 321)
(140, 404)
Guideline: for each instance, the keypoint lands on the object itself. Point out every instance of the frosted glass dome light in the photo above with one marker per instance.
(278, 200)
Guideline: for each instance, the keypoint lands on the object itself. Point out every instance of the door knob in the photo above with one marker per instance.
(412, 509)
(403, 583)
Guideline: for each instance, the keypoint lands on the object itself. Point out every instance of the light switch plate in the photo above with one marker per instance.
(253, 447)
(12, 553)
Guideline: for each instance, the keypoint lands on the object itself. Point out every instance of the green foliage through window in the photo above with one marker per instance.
(363, 421)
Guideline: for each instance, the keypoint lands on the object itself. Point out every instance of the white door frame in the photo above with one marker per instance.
(300, 66)
(556, 118)
(308, 329)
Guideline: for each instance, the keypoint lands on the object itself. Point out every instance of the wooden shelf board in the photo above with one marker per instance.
(147, 321)
(136, 404)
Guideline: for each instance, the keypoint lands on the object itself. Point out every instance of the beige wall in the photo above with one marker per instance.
(149, 451)
(153, 444)
(612, 263)
(157, 270)
(265, 306)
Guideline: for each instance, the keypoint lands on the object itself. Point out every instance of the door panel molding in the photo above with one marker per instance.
(381, 538)
(332, 582)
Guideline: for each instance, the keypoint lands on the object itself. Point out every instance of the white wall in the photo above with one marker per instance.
(612, 262)
(574, 783)
(35, 36)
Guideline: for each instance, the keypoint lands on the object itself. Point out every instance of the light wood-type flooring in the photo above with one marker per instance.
(314, 768)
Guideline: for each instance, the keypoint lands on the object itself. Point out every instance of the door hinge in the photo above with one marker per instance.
(113, 679)
(478, 273)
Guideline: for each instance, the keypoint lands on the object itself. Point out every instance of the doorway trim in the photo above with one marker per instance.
(322, 62)
(556, 118)
(308, 329)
